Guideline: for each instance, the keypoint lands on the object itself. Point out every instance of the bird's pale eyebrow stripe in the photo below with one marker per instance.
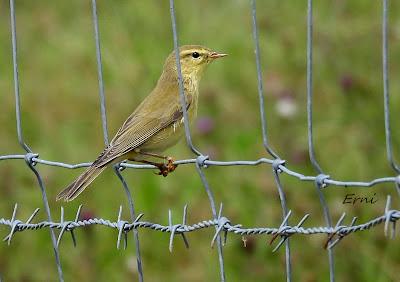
(189, 52)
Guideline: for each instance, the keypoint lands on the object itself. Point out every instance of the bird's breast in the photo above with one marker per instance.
(170, 135)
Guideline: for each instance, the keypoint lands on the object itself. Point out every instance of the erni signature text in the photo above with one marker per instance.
(353, 199)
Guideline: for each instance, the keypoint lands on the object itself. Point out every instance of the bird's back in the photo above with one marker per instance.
(157, 123)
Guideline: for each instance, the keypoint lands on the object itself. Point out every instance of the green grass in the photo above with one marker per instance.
(61, 121)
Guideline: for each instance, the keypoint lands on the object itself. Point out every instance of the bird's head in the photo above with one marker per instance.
(193, 59)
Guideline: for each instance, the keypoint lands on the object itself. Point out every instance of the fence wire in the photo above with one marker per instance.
(222, 224)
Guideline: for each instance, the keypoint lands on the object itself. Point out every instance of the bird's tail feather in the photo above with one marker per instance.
(80, 184)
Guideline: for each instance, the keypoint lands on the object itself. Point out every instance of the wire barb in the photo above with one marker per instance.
(14, 225)
(173, 229)
(340, 235)
(184, 216)
(121, 229)
(66, 226)
(281, 231)
(390, 217)
(336, 230)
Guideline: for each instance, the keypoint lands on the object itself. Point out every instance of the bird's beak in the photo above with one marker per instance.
(215, 55)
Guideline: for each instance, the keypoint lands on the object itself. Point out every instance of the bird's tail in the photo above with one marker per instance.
(80, 184)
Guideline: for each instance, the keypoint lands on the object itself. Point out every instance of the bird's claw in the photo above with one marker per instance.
(165, 169)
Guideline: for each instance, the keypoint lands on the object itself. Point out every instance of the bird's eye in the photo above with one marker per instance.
(195, 55)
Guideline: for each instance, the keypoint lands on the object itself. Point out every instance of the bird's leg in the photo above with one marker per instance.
(164, 168)
(169, 165)
(161, 166)
(153, 155)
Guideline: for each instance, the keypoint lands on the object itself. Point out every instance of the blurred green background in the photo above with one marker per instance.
(61, 122)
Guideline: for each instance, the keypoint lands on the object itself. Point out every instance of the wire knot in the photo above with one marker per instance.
(29, 158)
(222, 221)
(119, 167)
(277, 163)
(398, 180)
(200, 160)
(320, 180)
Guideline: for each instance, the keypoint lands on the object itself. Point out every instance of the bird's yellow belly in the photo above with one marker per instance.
(164, 139)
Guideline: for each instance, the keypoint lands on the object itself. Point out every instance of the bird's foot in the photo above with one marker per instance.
(170, 164)
(165, 169)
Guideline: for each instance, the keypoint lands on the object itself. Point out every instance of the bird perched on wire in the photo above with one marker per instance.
(157, 123)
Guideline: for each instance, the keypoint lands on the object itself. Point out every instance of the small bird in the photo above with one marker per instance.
(157, 123)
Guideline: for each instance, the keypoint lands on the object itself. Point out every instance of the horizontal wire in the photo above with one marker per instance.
(282, 167)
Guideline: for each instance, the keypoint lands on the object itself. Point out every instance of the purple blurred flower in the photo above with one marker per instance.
(205, 125)
(86, 215)
(347, 82)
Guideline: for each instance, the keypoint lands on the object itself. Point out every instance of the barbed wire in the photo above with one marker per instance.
(222, 224)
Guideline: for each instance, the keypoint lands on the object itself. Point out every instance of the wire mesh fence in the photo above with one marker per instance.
(221, 223)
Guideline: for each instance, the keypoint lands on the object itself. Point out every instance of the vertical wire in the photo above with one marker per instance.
(180, 82)
(264, 133)
(282, 198)
(311, 151)
(100, 73)
(328, 221)
(22, 143)
(385, 72)
(47, 209)
(105, 134)
(133, 216)
(310, 88)
(215, 217)
(260, 83)
(16, 79)
(189, 141)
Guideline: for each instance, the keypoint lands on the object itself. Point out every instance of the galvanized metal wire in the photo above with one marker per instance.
(222, 224)
(219, 222)
(105, 134)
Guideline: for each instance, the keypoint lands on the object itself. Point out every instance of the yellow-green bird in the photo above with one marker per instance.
(157, 123)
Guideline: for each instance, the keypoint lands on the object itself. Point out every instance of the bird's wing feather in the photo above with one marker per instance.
(139, 128)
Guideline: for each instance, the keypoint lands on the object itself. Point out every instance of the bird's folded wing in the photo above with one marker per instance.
(135, 131)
